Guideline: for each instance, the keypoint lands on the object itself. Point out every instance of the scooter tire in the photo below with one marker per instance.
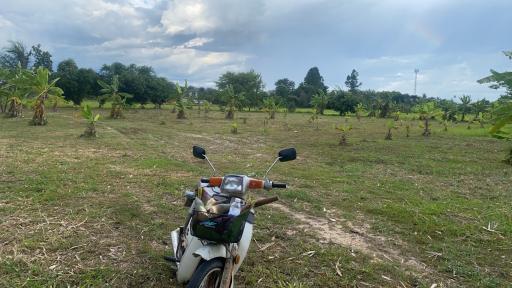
(204, 270)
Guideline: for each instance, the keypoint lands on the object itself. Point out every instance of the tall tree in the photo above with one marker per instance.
(159, 91)
(67, 72)
(249, 84)
(285, 93)
(42, 58)
(343, 101)
(313, 82)
(15, 53)
(352, 81)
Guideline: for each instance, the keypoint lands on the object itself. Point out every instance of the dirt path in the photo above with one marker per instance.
(353, 238)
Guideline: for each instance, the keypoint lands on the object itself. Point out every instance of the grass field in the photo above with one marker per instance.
(411, 212)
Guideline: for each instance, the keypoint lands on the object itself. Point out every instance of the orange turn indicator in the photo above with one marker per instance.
(256, 184)
(215, 181)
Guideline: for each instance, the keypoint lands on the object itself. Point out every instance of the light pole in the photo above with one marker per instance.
(415, 80)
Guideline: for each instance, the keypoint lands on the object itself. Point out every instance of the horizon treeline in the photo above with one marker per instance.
(147, 87)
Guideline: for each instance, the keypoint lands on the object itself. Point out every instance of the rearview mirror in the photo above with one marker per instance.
(199, 152)
(288, 154)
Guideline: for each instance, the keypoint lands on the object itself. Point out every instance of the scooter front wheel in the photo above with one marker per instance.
(208, 274)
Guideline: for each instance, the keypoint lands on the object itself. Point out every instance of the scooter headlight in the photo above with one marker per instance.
(232, 184)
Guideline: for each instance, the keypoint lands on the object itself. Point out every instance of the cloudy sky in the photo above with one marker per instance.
(452, 42)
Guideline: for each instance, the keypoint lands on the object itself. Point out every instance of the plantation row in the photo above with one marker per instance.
(128, 85)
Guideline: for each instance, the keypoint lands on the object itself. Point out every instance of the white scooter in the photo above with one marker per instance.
(211, 246)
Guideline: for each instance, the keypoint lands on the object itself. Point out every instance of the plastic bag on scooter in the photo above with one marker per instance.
(220, 228)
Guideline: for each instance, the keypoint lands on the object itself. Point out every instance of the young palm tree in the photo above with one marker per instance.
(42, 89)
(427, 111)
(206, 108)
(390, 125)
(503, 118)
(270, 105)
(233, 101)
(91, 119)
(360, 111)
(180, 105)
(344, 130)
(465, 106)
(14, 86)
(111, 92)
(319, 101)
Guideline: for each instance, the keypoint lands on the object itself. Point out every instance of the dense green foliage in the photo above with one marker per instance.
(503, 107)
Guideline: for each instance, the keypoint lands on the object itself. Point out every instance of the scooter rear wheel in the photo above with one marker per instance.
(207, 275)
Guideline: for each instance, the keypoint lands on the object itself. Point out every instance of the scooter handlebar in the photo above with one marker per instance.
(279, 185)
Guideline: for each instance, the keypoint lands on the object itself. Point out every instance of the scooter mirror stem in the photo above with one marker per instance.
(211, 165)
(270, 168)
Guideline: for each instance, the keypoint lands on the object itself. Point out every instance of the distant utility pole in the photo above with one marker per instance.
(415, 80)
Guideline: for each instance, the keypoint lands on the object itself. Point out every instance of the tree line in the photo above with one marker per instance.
(233, 90)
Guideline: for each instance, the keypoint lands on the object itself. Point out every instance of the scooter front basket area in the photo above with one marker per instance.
(219, 228)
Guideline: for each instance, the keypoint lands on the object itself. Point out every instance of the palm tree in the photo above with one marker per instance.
(180, 92)
(319, 101)
(15, 54)
(111, 92)
(43, 89)
(465, 107)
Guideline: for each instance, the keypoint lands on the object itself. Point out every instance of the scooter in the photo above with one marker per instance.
(212, 244)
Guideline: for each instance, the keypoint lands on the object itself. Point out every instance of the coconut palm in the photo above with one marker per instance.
(16, 54)
(42, 89)
(118, 99)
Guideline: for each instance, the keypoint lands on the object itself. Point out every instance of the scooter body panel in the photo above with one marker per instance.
(211, 251)
(243, 245)
(197, 250)
(189, 262)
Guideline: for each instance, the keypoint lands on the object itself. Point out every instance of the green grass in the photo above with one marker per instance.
(95, 213)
